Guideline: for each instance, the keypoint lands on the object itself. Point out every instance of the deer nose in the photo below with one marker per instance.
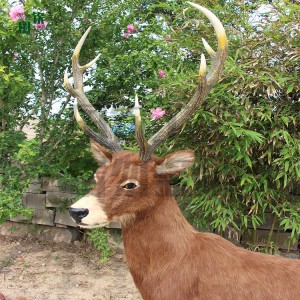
(78, 213)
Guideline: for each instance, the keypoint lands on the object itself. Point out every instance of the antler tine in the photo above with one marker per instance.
(109, 140)
(139, 134)
(95, 136)
(219, 57)
(204, 84)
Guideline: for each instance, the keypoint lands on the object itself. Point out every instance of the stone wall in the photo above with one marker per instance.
(48, 199)
(270, 232)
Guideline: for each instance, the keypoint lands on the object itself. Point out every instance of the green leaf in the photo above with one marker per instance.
(290, 88)
(279, 176)
(237, 145)
(248, 160)
(285, 179)
(285, 120)
(286, 166)
(287, 137)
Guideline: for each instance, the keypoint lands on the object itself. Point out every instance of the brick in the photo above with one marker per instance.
(34, 200)
(43, 217)
(64, 218)
(58, 199)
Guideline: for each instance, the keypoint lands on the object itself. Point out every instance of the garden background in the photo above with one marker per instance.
(245, 135)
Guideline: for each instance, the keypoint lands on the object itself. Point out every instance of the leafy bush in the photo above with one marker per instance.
(99, 238)
(246, 136)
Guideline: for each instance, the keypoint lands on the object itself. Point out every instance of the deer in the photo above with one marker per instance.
(168, 259)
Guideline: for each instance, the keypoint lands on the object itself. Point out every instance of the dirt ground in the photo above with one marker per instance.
(41, 270)
(47, 271)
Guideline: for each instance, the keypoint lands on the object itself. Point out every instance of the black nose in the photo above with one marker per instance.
(78, 213)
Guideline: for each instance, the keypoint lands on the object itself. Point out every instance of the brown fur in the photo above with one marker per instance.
(168, 259)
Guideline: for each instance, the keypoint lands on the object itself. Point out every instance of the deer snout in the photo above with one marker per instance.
(78, 213)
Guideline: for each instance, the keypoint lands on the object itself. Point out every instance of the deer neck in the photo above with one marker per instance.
(156, 237)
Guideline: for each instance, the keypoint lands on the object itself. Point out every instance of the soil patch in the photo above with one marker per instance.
(41, 270)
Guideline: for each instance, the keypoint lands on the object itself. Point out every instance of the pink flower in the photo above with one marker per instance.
(161, 73)
(130, 28)
(126, 35)
(16, 13)
(41, 26)
(168, 39)
(15, 56)
(157, 113)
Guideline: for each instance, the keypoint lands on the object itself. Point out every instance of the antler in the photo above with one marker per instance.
(204, 85)
(109, 140)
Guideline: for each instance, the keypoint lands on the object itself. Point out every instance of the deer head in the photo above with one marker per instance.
(129, 183)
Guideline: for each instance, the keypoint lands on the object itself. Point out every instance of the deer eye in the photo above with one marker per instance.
(130, 184)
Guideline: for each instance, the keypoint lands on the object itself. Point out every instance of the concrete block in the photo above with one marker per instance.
(53, 234)
(61, 226)
(52, 185)
(233, 235)
(64, 218)
(71, 189)
(269, 219)
(34, 187)
(24, 219)
(43, 217)
(5, 228)
(58, 199)
(176, 190)
(56, 234)
(34, 200)
(279, 238)
(14, 229)
(20, 229)
(114, 224)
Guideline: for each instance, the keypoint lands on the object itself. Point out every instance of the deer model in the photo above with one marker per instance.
(168, 259)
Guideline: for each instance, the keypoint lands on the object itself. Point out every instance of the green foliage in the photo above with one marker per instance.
(11, 183)
(10, 204)
(99, 238)
(247, 134)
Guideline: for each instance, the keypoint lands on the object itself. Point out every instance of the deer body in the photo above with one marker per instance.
(167, 258)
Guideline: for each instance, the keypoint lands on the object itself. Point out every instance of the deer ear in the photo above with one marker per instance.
(176, 162)
(101, 155)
